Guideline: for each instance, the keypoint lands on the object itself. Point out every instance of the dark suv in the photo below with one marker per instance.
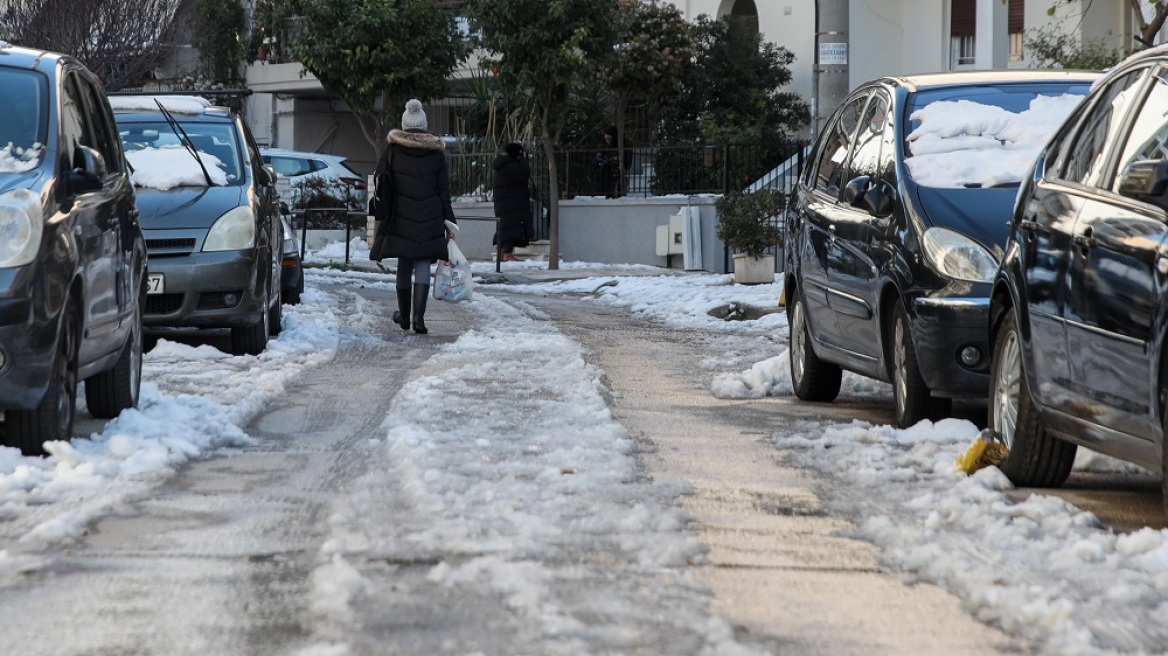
(897, 226)
(1080, 305)
(72, 257)
(210, 215)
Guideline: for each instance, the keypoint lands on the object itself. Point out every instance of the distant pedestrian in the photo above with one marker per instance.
(606, 164)
(413, 170)
(512, 200)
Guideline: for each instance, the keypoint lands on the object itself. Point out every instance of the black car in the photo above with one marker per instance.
(1079, 312)
(210, 215)
(897, 225)
(72, 257)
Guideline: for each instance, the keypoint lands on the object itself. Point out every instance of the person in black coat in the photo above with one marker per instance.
(413, 181)
(512, 200)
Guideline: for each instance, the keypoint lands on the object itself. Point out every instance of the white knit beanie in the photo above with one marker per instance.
(414, 118)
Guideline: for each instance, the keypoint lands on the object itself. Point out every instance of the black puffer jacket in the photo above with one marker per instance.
(421, 190)
(512, 200)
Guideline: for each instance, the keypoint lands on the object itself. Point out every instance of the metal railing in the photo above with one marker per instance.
(648, 172)
(337, 218)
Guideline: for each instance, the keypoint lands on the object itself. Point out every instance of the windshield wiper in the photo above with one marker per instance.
(186, 140)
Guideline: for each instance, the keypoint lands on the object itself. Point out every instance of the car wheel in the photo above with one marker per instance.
(1036, 458)
(291, 296)
(276, 317)
(812, 378)
(911, 394)
(251, 340)
(109, 392)
(52, 419)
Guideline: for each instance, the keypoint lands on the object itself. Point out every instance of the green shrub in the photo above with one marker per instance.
(748, 222)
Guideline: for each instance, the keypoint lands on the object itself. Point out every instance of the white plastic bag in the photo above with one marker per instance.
(452, 280)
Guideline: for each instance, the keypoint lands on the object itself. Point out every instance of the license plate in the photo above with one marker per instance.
(155, 283)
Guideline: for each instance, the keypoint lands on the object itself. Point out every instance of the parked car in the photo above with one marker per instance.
(1079, 304)
(897, 226)
(210, 216)
(331, 170)
(291, 267)
(72, 257)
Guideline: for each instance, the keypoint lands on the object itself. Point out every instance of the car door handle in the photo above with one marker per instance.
(1084, 241)
(1029, 225)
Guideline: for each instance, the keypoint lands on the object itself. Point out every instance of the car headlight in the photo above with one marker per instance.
(234, 231)
(954, 255)
(21, 225)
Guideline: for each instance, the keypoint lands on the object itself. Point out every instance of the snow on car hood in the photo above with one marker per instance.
(187, 207)
(173, 166)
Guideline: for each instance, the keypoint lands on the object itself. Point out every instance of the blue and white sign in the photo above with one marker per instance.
(833, 54)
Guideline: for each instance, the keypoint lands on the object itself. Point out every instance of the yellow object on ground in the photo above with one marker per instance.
(987, 450)
(782, 297)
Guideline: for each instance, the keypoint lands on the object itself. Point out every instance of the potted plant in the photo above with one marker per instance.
(749, 224)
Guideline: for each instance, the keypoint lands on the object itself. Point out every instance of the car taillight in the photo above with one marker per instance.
(357, 183)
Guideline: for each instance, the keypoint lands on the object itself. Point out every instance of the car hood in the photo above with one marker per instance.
(186, 207)
(981, 214)
(23, 180)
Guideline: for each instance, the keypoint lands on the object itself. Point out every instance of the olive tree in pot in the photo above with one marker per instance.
(749, 224)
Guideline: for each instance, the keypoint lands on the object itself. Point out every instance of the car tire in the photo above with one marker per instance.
(911, 396)
(52, 419)
(291, 296)
(109, 392)
(276, 317)
(812, 378)
(1036, 458)
(253, 339)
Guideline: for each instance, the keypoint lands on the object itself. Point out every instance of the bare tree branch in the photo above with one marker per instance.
(121, 41)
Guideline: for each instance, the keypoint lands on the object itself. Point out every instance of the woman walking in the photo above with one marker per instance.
(416, 181)
(512, 200)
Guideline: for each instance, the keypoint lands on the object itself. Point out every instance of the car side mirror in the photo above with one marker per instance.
(270, 173)
(855, 190)
(877, 197)
(284, 208)
(88, 170)
(880, 200)
(1147, 181)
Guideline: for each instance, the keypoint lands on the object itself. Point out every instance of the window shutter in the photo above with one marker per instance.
(963, 18)
(1016, 16)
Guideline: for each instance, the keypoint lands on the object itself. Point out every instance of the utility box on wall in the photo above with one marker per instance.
(670, 238)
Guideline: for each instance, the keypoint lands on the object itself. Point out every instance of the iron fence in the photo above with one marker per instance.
(648, 171)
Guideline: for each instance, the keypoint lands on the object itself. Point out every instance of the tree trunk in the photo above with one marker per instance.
(549, 151)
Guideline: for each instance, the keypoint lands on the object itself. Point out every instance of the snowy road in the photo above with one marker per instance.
(553, 470)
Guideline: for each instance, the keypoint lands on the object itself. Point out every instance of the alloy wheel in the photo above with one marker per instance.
(798, 342)
(1006, 392)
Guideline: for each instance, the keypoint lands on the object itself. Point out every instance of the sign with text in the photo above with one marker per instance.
(833, 54)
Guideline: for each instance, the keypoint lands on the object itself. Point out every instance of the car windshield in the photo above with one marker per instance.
(23, 116)
(161, 162)
(983, 136)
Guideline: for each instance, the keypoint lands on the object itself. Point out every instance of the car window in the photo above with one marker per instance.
(1084, 157)
(983, 135)
(145, 138)
(289, 166)
(866, 154)
(103, 139)
(832, 159)
(1148, 139)
(23, 119)
(73, 131)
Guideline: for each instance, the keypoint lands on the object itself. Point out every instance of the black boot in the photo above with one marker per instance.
(420, 294)
(401, 316)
